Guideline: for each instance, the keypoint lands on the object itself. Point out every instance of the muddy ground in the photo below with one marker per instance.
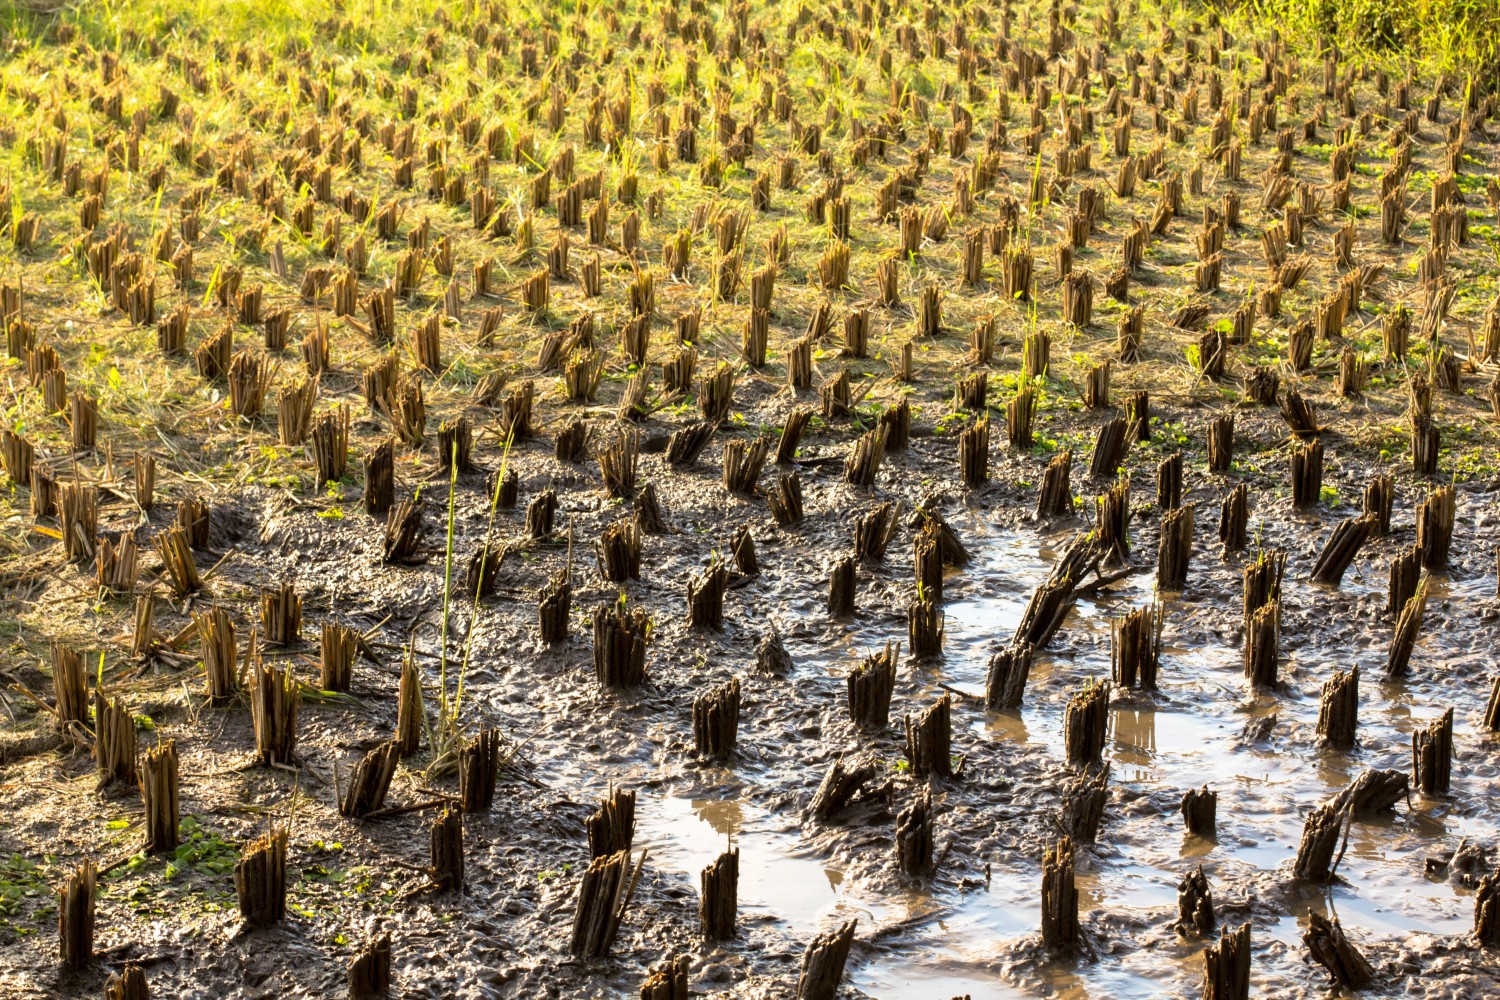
(968, 929)
(1405, 883)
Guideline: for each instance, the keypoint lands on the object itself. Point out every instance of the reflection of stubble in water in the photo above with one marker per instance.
(777, 878)
(1260, 753)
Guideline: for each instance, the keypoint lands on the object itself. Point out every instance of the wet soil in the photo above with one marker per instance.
(1404, 886)
(971, 928)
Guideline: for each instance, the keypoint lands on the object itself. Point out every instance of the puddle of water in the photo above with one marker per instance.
(1409, 909)
(1442, 588)
(1192, 736)
(931, 976)
(1152, 746)
(1107, 982)
(1126, 887)
(972, 623)
(957, 953)
(1387, 891)
(687, 835)
(1002, 575)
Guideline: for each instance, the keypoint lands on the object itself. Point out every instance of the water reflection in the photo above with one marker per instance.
(1008, 725)
(686, 835)
(1126, 887)
(928, 976)
(1135, 734)
(724, 816)
(1199, 729)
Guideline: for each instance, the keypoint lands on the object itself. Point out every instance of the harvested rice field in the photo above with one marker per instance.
(681, 498)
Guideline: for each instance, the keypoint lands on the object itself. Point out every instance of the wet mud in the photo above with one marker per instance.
(1404, 884)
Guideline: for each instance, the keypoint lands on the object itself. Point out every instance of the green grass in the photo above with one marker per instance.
(1458, 36)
